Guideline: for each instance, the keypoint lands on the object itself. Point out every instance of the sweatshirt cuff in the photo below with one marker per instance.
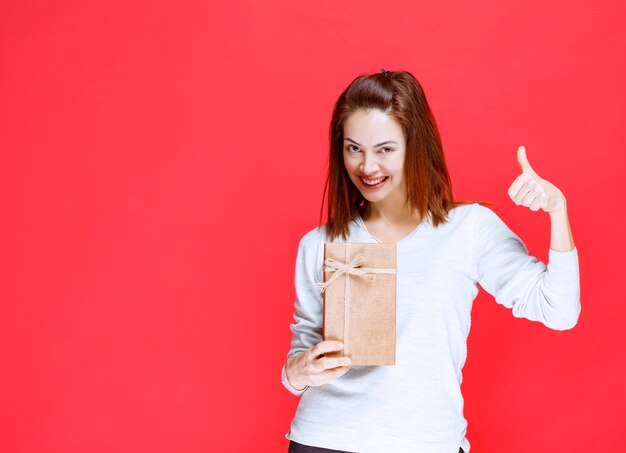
(562, 276)
(288, 386)
(574, 251)
(567, 260)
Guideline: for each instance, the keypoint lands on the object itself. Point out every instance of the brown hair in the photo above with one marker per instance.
(400, 96)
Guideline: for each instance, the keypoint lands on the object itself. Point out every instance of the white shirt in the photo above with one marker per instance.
(416, 405)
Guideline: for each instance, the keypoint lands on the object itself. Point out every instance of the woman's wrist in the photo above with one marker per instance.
(292, 375)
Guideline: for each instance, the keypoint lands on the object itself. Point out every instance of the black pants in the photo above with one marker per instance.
(295, 447)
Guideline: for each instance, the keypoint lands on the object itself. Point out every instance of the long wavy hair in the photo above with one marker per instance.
(429, 190)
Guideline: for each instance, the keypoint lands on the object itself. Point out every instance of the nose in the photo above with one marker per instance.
(369, 165)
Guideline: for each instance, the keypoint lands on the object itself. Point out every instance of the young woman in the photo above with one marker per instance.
(388, 182)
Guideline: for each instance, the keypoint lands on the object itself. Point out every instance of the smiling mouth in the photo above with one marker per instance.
(374, 182)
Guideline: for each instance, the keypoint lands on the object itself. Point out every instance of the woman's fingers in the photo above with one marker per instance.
(537, 203)
(326, 346)
(334, 362)
(532, 191)
(324, 369)
(526, 189)
(520, 184)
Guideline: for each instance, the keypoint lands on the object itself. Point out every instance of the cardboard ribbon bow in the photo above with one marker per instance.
(353, 267)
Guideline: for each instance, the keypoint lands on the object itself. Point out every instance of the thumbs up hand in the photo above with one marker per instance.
(531, 191)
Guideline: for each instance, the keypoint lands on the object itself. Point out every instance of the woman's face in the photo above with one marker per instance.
(374, 148)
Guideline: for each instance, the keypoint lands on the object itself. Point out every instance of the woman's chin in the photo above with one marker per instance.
(373, 199)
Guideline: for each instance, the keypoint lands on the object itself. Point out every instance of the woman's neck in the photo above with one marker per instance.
(389, 215)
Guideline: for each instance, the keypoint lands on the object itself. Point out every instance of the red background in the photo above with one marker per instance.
(160, 161)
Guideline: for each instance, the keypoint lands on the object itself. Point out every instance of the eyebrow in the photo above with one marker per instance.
(375, 146)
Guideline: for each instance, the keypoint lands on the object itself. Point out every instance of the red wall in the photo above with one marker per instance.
(159, 162)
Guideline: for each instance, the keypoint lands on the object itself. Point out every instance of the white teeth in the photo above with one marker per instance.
(372, 182)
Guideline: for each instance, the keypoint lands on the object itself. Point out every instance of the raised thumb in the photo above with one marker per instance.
(522, 160)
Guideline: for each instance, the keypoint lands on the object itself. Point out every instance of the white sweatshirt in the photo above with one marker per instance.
(416, 405)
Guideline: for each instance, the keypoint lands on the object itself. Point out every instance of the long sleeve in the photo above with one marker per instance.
(308, 309)
(547, 294)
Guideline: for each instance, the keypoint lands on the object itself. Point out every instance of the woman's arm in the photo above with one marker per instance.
(308, 307)
(560, 233)
(549, 294)
(519, 281)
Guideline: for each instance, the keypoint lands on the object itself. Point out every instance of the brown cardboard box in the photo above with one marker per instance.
(360, 301)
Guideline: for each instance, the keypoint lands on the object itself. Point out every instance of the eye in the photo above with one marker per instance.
(350, 147)
(389, 150)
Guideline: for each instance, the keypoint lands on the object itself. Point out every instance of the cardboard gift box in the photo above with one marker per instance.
(360, 301)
